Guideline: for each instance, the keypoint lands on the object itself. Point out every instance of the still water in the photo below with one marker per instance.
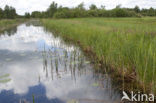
(37, 67)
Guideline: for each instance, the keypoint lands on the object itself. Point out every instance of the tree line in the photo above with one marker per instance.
(55, 11)
(9, 12)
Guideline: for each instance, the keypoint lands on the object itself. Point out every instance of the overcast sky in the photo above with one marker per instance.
(23, 6)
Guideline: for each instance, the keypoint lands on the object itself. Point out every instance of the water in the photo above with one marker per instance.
(37, 66)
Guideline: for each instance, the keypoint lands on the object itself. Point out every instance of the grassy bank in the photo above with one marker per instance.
(6, 23)
(127, 45)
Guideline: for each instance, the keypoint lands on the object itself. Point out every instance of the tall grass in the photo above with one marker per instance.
(127, 44)
(7, 23)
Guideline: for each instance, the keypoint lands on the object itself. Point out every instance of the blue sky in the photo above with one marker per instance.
(23, 6)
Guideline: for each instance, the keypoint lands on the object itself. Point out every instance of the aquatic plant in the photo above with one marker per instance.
(127, 45)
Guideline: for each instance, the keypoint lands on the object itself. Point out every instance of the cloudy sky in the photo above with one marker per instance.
(23, 6)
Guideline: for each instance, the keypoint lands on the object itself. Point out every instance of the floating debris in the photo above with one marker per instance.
(5, 80)
(73, 101)
(95, 84)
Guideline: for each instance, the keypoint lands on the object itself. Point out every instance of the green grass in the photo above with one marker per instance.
(126, 44)
(8, 23)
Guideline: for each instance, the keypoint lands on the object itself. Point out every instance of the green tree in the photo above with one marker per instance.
(80, 6)
(118, 6)
(6, 11)
(1, 13)
(151, 12)
(9, 12)
(12, 13)
(103, 7)
(36, 14)
(52, 9)
(137, 9)
(27, 15)
(93, 7)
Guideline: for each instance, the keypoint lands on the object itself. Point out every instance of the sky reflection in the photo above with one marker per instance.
(34, 62)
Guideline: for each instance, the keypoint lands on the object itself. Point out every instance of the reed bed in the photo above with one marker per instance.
(128, 45)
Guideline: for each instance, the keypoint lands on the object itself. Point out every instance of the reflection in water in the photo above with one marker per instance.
(9, 32)
(34, 63)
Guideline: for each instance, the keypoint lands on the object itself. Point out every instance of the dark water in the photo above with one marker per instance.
(36, 66)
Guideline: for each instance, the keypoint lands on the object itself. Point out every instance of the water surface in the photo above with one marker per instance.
(35, 65)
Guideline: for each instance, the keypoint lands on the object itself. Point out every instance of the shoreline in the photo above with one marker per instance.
(9, 23)
(128, 80)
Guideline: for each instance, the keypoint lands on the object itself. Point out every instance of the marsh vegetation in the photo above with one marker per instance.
(6, 24)
(126, 45)
(118, 43)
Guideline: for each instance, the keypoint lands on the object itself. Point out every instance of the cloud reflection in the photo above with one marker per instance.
(34, 57)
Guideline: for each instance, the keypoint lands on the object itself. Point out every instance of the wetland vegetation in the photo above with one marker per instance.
(127, 45)
(107, 51)
(9, 23)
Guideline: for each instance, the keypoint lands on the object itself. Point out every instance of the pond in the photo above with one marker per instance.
(37, 67)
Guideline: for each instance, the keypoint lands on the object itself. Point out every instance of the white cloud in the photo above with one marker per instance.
(23, 6)
(24, 39)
